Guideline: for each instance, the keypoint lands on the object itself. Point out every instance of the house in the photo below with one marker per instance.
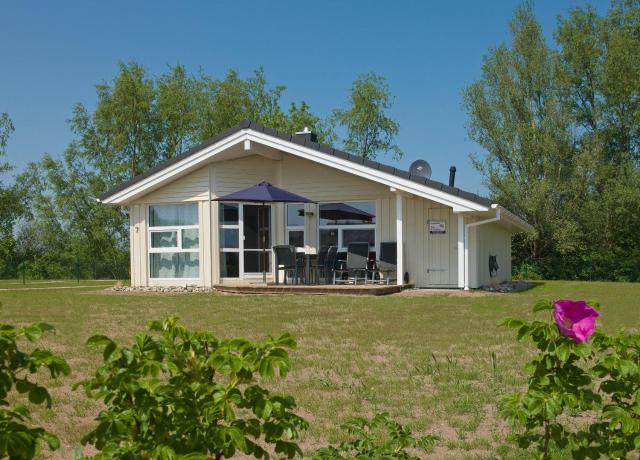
(180, 234)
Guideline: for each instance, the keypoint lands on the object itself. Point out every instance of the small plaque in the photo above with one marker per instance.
(438, 226)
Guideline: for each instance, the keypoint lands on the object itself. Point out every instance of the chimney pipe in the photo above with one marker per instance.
(307, 135)
(452, 176)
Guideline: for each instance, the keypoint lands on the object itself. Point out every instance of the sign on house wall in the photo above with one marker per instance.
(438, 226)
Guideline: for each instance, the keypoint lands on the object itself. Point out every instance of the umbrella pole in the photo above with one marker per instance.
(264, 250)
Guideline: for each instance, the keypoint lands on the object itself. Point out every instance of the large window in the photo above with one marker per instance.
(344, 223)
(173, 241)
(295, 225)
(229, 221)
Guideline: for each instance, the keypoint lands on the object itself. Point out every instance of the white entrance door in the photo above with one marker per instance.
(441, 238)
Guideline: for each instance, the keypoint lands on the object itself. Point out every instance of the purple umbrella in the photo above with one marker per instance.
(343, 211)
(264, 193)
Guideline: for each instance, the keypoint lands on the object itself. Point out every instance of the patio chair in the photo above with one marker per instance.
(319, 264)
(325, 263)
(386, 264)
(330, 265)
(287, 260)
(356, 263)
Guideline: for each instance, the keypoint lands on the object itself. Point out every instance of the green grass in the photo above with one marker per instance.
(426, 359)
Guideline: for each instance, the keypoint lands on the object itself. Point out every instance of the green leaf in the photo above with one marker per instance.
(38, 395)
(33, 332)
(563, 352)
(97, 340)
(543, 304)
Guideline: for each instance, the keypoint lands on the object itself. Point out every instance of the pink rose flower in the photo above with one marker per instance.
(575, 319)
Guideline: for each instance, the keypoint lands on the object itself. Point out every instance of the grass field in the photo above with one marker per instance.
(426, 359)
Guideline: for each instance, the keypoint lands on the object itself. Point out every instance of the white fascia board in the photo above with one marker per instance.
(458, 204)
(513, 219)
(192, 161)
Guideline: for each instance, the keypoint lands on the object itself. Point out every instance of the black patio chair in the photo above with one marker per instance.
(356, 263)
(319, 264)
(386, 264)
(325, 264)
(330, 266)
(287, 260)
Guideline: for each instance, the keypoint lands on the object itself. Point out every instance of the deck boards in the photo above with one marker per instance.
(327, 289)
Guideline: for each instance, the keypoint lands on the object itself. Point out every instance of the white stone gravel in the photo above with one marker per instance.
(167, 289)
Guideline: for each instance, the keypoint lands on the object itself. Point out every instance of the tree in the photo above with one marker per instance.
(517, 116)
(369, 130)
(560, 130)
(138, 122)
(10, 205)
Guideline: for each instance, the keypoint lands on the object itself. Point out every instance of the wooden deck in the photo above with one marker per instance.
(311, 289)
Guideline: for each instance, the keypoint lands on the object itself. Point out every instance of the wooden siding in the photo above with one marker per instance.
(233, 175)
(191, 187)
(492, 239)
(323, 183)
(430, 259)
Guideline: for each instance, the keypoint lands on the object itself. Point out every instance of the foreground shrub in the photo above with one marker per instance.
(184, 394)
(577, 371)
(376, 438)
(17, 438)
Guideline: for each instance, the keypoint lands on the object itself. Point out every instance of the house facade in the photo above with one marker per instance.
(180, 234)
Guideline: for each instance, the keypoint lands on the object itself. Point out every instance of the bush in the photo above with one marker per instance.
(526, 271)
(184, 394)
(570, 376)
(376, 438)
(17, 438)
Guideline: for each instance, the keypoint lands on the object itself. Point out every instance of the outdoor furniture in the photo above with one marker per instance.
(287, 260)
(319, 264)
(325, 263)
(386, 264)
(356, 263)
(264, 193)
(307, 260)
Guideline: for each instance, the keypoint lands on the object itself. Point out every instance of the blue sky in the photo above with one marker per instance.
(53, 53)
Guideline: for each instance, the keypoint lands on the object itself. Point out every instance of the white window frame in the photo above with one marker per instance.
(340, 228)
(241, 249)
(172, 228)
(238, 226)
(293, 228)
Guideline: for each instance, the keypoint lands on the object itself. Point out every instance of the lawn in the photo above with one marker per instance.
(428, 360)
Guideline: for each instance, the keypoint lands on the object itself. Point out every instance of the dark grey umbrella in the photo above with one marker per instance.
(264, 193)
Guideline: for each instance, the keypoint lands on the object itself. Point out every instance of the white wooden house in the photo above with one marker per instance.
(181, 235)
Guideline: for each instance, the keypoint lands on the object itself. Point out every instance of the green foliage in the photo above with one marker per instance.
(183, 394)
(560, 127)
(17, 438)
(10, 204)
(568, 378)
(369, 129)
(377, 438)
(138, 121)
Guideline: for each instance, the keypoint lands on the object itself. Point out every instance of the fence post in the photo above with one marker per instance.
(78, 269)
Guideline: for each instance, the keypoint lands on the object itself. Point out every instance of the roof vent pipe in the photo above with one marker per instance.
(307, 135)
(452, 176)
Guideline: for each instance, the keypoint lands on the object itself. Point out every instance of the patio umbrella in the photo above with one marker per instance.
(343, 211)
(264, 193)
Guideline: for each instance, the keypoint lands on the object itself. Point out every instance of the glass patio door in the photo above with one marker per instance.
(256, 223)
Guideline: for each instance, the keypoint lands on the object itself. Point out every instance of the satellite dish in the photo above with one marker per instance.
(420, 168)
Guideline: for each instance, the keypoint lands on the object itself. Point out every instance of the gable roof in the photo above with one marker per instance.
(305, 142)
